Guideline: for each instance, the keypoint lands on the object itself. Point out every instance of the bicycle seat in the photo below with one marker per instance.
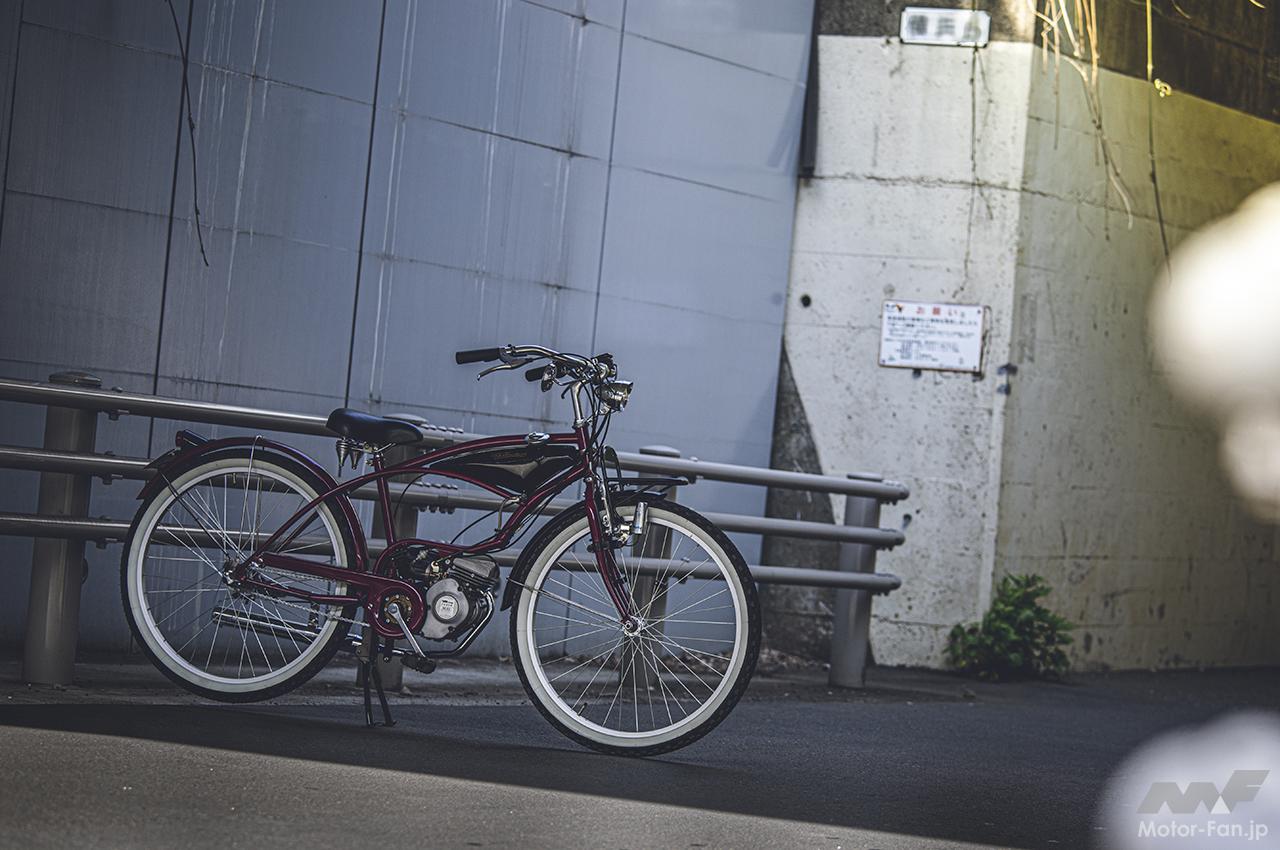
(374, 430)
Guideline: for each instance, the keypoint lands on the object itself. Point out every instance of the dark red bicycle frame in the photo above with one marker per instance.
(373, 585)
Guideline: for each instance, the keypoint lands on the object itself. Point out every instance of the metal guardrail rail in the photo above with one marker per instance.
(67, 464)
(116, 403)
(112, 467)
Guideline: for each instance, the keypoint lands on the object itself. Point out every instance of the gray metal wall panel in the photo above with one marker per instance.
(668, 238)
(275, 159)
(607, 12)
(251, 319)
(486, 217)
(440, 59)
(93, 122)
(147, 26)
(464, 199)
(327, 46)
(704, 120)
(710, 378)
(80, 285)
(517, 69)
(768, 35)
(556, 80)
(415, 315)
(9, 28)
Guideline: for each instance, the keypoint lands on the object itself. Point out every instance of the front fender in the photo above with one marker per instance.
(539, 542)
(543, 538)
(193, 450)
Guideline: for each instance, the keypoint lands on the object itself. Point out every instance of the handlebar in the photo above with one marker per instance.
(587, 369)
(477, 355)
(598, 372)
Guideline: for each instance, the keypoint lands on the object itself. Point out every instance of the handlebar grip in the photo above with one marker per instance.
(535, 374)
(477, 355)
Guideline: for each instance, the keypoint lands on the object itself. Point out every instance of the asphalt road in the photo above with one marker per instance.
(908, 766)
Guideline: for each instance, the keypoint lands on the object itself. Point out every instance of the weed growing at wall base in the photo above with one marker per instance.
(1017, 638)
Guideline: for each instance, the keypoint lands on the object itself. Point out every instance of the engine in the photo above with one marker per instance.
(460, 599)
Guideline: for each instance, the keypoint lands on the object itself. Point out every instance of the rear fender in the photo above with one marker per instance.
(193, 450)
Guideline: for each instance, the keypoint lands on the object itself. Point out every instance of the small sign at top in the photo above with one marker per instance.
(952, 27)
(917, 335)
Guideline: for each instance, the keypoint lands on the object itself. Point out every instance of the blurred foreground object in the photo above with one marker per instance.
(1215, 321)
(1212, 787)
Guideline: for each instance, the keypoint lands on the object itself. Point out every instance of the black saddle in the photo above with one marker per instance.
(374, 430)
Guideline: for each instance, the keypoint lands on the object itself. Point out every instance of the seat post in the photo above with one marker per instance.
(384, 500)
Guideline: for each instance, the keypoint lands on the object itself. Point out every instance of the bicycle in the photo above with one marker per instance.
(634, 622)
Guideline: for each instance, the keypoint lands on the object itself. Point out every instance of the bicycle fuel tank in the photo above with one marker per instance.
(519, 469)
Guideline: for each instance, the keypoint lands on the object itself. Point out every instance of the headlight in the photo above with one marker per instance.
(614, 394)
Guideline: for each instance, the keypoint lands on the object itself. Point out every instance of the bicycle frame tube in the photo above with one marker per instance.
(379, 580)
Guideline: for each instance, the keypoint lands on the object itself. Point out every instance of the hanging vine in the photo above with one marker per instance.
(1068, 30)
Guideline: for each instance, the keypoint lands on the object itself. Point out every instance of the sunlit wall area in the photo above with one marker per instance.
(1006, 177)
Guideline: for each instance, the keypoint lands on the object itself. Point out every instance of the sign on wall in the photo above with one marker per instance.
(951, 27)
(918, 335)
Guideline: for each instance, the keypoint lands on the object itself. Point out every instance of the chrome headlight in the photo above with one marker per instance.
(614, 394)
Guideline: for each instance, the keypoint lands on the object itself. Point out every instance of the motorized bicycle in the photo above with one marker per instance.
(634, 621)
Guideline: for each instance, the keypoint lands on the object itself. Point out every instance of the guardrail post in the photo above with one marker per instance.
(851, 636)
(405, 521)
(649, 593)
(58, 566)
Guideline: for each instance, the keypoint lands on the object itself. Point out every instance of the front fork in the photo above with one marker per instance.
(603, 543)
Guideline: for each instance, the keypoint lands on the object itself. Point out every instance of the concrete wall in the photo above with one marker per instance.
(1108, 488)
(976, 177)
(915, 197)
(382, 184)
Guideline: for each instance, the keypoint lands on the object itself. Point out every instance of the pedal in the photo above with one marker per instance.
(420, 663)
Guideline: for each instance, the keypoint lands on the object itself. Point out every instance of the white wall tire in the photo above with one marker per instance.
(298, 658)
(687, 706)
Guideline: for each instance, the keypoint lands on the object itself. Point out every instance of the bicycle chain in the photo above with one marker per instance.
(309, 611)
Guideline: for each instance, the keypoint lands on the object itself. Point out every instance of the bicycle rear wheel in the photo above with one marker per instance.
(656, 685)
(205, 634)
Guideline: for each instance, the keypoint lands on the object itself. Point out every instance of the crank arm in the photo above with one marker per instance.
(394, 610)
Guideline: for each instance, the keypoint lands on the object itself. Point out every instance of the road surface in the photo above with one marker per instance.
(925, 762)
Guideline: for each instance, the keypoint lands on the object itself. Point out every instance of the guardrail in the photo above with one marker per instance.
(68, 464)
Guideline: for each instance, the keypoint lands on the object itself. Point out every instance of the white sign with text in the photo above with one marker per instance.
(916, 335)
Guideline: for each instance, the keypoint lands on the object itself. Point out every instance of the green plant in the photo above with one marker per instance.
(1017, 638)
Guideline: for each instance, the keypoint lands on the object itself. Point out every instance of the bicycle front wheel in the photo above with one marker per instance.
(654, 685)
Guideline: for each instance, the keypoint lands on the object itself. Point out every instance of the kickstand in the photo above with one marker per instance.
(382, 695)
(369, 670)
(364, 680)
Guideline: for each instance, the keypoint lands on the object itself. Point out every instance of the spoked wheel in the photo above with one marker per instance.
(205, 634)
(653, 685)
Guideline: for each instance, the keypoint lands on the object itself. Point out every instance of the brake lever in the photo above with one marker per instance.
(514, 364)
